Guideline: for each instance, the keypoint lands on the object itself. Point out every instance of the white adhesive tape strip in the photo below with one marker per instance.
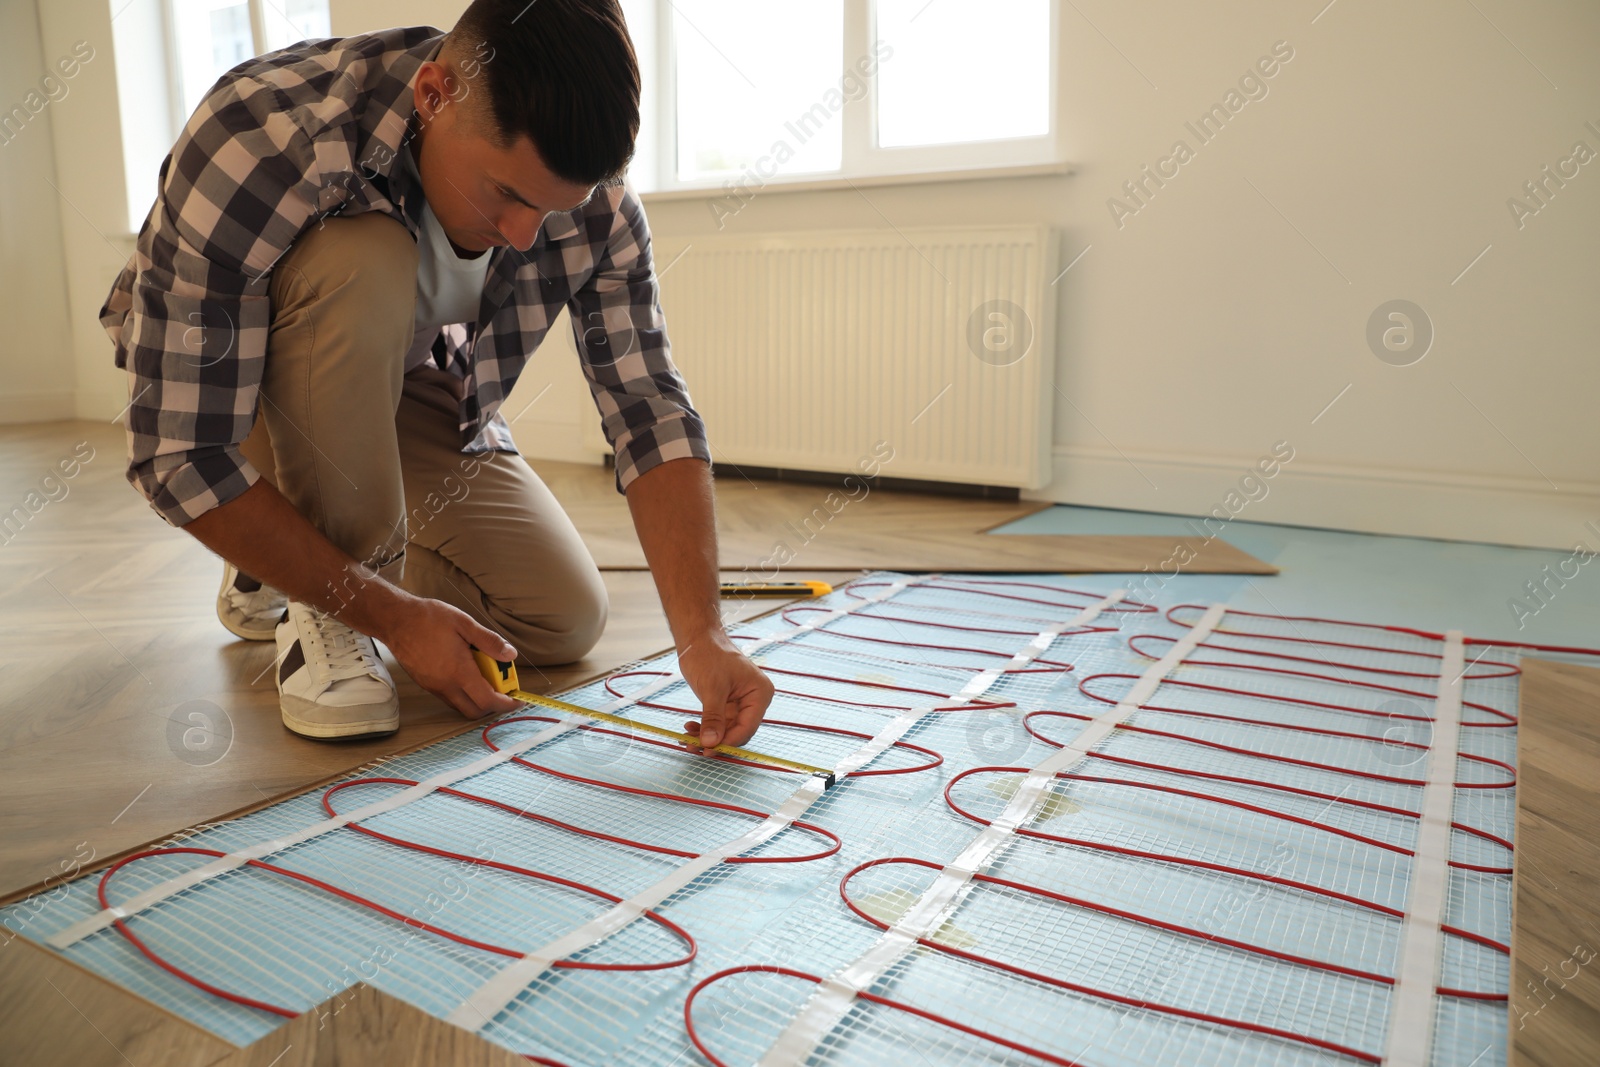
(1412, 1005)
(892, 731)
(833, 997)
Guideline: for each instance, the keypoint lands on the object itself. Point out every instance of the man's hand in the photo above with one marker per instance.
(433, 641)
(269, 540)
(733, 692)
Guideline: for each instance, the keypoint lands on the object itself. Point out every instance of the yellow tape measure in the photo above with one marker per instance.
(502, 674)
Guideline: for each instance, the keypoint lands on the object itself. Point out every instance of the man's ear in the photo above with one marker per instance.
(431, 95)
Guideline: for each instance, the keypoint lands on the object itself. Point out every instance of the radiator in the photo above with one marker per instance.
(813, 351)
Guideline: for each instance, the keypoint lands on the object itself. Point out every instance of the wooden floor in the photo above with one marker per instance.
(764, 525)
(1555, 942)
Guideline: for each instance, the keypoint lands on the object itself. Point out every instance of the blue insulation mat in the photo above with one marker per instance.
(1221, 881)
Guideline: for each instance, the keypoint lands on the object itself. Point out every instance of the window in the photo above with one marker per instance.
(211, 36)
(957, 79)
(754, 91)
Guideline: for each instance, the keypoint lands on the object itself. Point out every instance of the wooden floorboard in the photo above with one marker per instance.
(1555, 941)
(54, 1013)
(364, 1026)
(766, 526)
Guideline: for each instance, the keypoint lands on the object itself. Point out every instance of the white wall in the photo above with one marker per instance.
(92, 201)
(360, 16)
(36, 350)
(1228, 312)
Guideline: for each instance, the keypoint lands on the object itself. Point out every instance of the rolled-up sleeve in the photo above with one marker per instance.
(190, 313)
(621, 334)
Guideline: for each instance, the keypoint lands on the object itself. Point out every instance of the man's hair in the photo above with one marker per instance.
(562, 73)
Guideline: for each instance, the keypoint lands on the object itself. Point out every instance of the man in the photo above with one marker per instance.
(362, 241)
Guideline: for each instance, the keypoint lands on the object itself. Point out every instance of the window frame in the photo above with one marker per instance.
(862, 159)
(260, 44)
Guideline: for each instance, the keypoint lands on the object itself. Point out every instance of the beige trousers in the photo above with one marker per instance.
(372, 456)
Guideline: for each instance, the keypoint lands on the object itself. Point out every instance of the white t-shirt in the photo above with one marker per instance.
(448, 287)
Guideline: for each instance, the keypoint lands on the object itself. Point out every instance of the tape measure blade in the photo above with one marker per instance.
(660, 731)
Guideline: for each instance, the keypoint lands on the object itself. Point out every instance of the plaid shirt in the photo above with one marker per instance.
(314, 130)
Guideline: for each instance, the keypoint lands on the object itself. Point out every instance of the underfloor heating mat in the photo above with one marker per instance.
(1068, 828)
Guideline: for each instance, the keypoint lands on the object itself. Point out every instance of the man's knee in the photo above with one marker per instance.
(569, 635)
(367, 261)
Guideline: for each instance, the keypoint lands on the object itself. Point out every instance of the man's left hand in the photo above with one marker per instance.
(733, 692)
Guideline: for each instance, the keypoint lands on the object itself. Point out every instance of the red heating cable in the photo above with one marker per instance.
(1331, 798)
(1426, 634)
(723, 757)
(1104, 909)
(1292, 760)
(976, 705)
(1057, 664)
(879, 658)
(1509, 781)
(1511, 771)
(617, 787)
(1102, 994)
(875, 616)
(1510, 670)
(198, 983)
(1351, 835)
(1506, 719)
(979, 586)
(533, 816)
(1037, 622)
(870, 998)
(1199, 864)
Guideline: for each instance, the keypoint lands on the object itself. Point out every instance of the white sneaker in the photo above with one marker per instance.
(246, 607)
(331, 682)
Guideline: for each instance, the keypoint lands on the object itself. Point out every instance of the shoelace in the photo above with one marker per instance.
(334, 650)
(264, 601)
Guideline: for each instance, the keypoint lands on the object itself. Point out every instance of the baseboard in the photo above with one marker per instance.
(37, 407)
(1448, 505)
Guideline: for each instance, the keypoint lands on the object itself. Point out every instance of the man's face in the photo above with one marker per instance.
(482, 195)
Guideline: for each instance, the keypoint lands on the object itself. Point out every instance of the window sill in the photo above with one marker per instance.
(702, 190)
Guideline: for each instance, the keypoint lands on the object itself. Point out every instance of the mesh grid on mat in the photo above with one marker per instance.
(1248, 828)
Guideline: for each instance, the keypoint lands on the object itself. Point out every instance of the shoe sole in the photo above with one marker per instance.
(295, 708)
(241, 632)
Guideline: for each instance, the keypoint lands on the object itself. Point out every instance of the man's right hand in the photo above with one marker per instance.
(433, 641)
(264, 536)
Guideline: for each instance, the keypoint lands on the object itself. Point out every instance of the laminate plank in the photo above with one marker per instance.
(767, 528)
(54, 1013)
(1555, 940)
(364, 1026)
